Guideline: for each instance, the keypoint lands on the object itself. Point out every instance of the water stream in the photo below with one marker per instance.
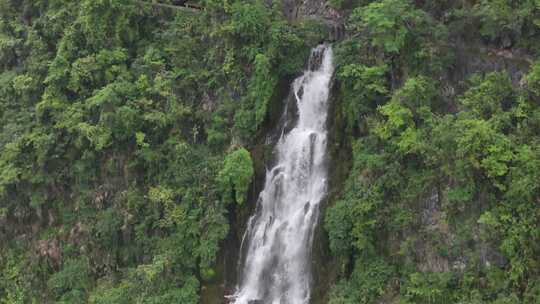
(276, 267)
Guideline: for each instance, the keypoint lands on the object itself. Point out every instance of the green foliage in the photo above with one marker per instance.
(337, 3)
(386, 22)
(363, 84)
(236, 175)
(368, 282)
(260, 91)
(533, 79)
(503, 17)
(408, 111)
(489, 96)
(265, 40)
(339, 226)
(71, 284)
(148, 283)
(345, 4)
(439, 164)
(248, 20)
(429, 288)
(115, 122)
(118, 122)
(14, 283)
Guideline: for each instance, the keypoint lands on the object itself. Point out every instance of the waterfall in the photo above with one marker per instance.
(277, 243)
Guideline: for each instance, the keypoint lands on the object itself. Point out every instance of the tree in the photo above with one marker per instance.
(387, 23)
(235, 177)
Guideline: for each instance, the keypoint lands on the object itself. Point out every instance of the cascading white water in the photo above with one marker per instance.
(276, 269)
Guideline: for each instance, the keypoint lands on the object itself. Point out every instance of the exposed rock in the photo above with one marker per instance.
(431, 213)
(315, 60)
(77, 233)
(433, 223)
(209, 103)
(50, 250)
(101, 195)
(474, 57)
(317, 9)
(294, 9)
(489, 255)
(434, 232)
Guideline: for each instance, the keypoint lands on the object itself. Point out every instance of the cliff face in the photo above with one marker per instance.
(295, 9)
(225, 283)
(121, 123)
(333, 19)
(436, 242)
(124, 133)
(418, 215)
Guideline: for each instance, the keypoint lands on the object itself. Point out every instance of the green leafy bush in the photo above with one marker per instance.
(386, 22)
(236, 175)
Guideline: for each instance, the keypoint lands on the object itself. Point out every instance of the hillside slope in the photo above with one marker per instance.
(133, 147)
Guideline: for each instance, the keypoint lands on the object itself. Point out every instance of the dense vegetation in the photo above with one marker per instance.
(442, 204)
(122, 126)
(126, 126)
